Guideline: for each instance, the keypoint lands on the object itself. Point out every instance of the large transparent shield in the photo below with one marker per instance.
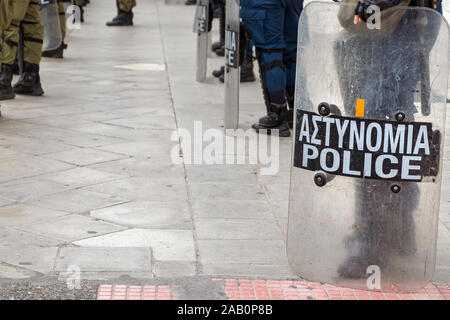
(368, 148)
(232, 63)
(202, 27)
(50, 20)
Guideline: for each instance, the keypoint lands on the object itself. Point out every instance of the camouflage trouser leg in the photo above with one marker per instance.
(6, 13)
(79, 2)
(25, 13)
(62, 17)
(127, 5)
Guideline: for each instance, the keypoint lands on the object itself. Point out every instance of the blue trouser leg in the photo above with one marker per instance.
(273, 26)
(290, 51)
(250, 46)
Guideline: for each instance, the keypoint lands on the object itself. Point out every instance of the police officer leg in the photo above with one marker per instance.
(247, 73)
(29, 82)
(125, 15)
(265, 22)
(9, 46)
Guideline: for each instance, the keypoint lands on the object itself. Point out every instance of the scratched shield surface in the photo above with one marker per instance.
(368, 147)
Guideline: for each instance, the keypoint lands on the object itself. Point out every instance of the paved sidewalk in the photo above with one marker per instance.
(87, 179)
(249, 289)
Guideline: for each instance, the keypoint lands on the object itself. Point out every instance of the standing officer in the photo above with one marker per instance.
(25, 13)
(124, 13)
(390, 231)
(273, 26)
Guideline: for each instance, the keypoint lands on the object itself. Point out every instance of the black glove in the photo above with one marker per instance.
(363, 5)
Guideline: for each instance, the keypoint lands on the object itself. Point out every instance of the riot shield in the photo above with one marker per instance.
(202, 28)
(232, 75)
(367, 155)
(50, 20)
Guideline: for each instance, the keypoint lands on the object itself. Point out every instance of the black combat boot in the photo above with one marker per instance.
(29, 82)
(55, 53)
(216, 45)
(219, 72)
(247, 74)
(122, 19)
(6, 91)
(220, 51)
(190, 2)
(276, 119)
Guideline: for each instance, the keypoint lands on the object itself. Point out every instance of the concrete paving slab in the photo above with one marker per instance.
(138, 188)
(142, 149)
(78, 201)
(242, 251)
(10, 272)
(84, 156)
(79, 177)
(71, 227)
(104, 259)
(91, 140)
(13, 240)
(232, 209)
(23, 166)
(237, 229)
(224, 191)
(30, 189)
(41, 147)
(167, 245)
(174, 269)
(24, 214)
(221, 173)
(151, 122)
(278, 192)
(148, 214)
(40, 259)
(156, 168)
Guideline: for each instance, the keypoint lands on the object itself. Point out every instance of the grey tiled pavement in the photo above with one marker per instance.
(86, 177)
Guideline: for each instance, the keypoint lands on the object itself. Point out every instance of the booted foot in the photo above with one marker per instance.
(220, 51)
(216, 45)
(219, 72)
(190, 2)
(29, 82)
(55, 53)
(243, 78)
(122, 19)
(247, 74)
(6, 91)
(282, 129)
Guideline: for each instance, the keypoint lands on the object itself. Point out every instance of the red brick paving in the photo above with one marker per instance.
(248, 289)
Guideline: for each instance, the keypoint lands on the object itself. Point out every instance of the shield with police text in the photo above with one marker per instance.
(368, 146)
(202, 28)
(50, 20)
(232, 63)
